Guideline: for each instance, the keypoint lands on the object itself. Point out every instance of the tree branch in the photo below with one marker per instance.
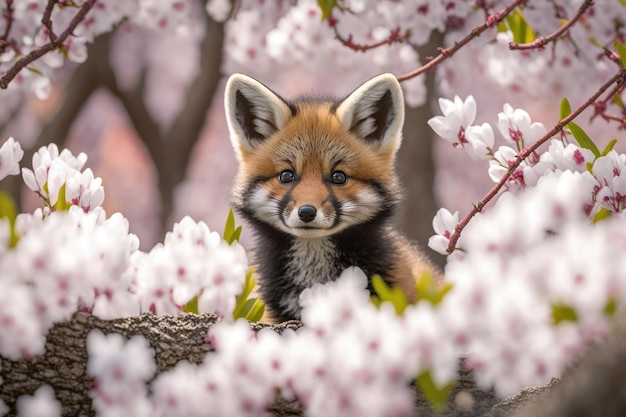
(444, 54)
(543, 41)
(618, 79)
(8, 16)
(170, 151)
(395, 36)
(44, 49)
(79, 87)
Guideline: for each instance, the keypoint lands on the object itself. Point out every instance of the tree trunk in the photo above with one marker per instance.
(416, 167)
(594, 386)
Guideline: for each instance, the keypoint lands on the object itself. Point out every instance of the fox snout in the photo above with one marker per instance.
(307, 213)
(308, 218)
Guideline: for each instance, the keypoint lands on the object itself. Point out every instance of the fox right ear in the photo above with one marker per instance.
(253, 112)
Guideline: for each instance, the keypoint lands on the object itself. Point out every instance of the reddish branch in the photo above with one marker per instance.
(444, 54)
(601, 106)
(618, 80)
(394, 37)
(8, 16)
(55, 42)
(45, 20)
(543, 41)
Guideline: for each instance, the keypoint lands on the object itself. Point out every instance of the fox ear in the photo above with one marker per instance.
(253, 112)
(374, 112)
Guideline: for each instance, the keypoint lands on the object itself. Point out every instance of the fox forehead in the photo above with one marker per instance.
(314, 141)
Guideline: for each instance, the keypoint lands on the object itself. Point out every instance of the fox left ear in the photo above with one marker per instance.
(253, 112)
(374, 112)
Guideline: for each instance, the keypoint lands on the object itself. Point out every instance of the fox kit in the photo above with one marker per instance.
(317, 182)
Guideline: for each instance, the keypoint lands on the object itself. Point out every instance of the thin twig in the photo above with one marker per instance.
(8, 15)
(619, 79)
(50, 46)
(45, 20)
(444, 54)
(394, 37)
(543, 41)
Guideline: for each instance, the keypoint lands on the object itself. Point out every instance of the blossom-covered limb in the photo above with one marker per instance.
(544, 40)
(448, 52)
(618, 79)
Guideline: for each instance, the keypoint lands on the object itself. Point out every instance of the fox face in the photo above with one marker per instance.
(314, 168)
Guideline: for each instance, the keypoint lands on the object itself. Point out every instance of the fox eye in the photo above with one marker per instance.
(339, 177)
(286, 176)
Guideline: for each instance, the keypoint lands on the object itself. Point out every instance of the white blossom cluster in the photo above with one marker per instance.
(352, 359)
(78, 259)
(504, 314)
(349, 359)
(604, 176)
(547, 251)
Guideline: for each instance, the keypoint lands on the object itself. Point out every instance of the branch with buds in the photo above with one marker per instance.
(55, 41)
(618, 81)
(543, 41)
(444, 54)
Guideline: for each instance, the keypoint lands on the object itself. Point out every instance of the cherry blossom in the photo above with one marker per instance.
(516, 127)
(192, 261)
(41, 404)
(11, 154)
(458, 115)
(610, 172)
(444, 224)
(53, 171)
(120, 370)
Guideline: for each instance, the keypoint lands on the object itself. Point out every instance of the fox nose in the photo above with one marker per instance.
(307, 213)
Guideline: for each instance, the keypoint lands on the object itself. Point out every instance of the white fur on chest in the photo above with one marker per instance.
(311, 261)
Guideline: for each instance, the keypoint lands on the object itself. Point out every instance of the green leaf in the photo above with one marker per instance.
(192, 306)
(326, 6)
(246, 307)
(617, 100)
(257, 312)
(229, 227)
(231, 233)
(522, 32)
(393, 295)
(62, 204)
(437, 397)
(601, 215)
(609, 147)
(236, 235)
(251, 309)
(610, 308)
(430, 290)
(562, 312)
(582, 138)
(34, 70)
(8, 211)
(566, 109)
(621, 51)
